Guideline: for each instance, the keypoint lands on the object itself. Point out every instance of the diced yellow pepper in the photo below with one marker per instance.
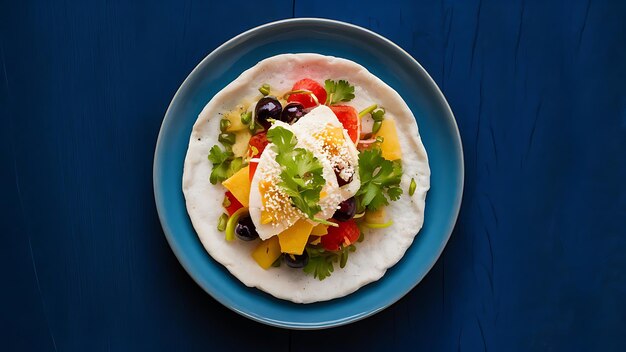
(266, 253)
(390, 147)
(375, 217)
(239, 185)
(294, 238)
(319, 230)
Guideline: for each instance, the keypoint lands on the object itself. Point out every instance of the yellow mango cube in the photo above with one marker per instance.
(266, 253)
(294, 238)
(319, 230)
(376, 216)
(390, 147)
(239, 185)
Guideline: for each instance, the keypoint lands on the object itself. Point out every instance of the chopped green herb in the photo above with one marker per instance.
(321, 262)
(343, 259)
(319, 267)
(338, 91)
(221, 222)
(227, 138)
(301, 176)
(380, 179)
(224, 164)
(378, 115)
(380, 139)
(412, 187)
(283, 139)
(255, 127)
(217, 156)
(246, 117)
(224, 124)
(265, 89)
(376, 126)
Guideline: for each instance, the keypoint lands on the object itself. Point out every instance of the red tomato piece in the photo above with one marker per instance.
(252, 169)
(347, 233)
(305, 99)
(349, 118)
(259, 142)
(234, 204)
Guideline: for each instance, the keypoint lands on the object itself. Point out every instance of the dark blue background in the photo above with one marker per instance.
(538, 257)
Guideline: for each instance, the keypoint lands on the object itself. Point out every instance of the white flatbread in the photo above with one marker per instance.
(381, 249)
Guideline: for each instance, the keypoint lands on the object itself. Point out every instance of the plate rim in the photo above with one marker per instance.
(160, 205)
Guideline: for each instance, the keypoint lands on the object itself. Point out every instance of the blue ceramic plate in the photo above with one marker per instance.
(384, 59)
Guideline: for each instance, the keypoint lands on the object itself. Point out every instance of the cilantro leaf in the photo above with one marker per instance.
(319, 266)
(344, 253)
(217, 156)
(282, 138)
(301, 175)
(394, 193)
(380, 178)
(224, 164)
(321, 262)
(338, 91)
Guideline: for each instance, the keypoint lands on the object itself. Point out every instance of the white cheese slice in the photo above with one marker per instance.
(268, 170)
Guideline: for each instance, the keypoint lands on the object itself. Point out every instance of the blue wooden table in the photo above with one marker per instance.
(538, 257)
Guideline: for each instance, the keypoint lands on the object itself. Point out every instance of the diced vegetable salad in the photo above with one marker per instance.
(312, 243)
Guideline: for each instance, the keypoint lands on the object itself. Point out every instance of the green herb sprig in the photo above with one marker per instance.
(380, 179)
(338, 91)
(301, 175)
(322, 262)
(224, 164)
(412, 187)
(265, 89)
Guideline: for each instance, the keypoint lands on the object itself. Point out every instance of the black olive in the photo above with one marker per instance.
(298, 261)
(292, 113)
(346, 210)
(267, 108)
(245, 229)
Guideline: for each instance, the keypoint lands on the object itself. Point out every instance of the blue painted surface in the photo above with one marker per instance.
(390, 63)
(536, 261)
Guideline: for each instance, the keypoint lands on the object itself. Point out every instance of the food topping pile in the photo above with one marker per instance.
(304, 173)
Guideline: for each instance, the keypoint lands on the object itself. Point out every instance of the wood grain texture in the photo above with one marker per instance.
(536, 261)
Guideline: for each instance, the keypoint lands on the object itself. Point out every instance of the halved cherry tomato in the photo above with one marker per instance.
(349, 118)
(346, 234)
(259, 142)
(232, 202)
(305, 99)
